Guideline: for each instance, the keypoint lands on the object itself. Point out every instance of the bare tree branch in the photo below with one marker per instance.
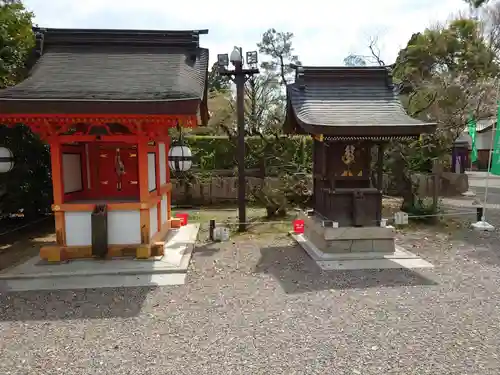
(375, 50)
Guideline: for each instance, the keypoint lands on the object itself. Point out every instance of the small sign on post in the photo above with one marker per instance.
(401, 218)
(298, 226)
(221, 234)
(183, 217)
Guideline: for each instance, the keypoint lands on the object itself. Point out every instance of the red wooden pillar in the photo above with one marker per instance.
(58, 189)
(142, 155)
(158, 186)
(169, 193)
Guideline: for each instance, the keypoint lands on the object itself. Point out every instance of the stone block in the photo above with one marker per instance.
(354, 233)
(347, 239)
(341, 246)
(362, 246)
(315, 238)
(384, 246)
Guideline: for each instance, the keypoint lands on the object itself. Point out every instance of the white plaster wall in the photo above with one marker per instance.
(72, 172)
(163, 163)
(164, 209)
(153, 221)
(483, 140)
(151, 171)
(78, 228)
(124, 227)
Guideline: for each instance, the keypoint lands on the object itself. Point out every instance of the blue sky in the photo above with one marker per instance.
(325, 31)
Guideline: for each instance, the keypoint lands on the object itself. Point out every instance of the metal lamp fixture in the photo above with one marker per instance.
(239, 76)
(236, 56)
(180, 157)
(6, 160)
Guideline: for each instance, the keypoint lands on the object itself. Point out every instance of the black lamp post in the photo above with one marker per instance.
(239, 76)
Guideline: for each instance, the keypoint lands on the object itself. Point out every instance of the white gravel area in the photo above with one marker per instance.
(259, 305)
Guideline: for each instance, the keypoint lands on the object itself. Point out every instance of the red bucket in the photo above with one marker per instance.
(298, 226)
(184, 218)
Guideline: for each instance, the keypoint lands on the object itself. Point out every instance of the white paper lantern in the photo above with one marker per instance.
(180, 158)
(6, 160)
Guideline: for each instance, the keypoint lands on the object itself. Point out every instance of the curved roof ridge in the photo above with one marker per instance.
(56, 36)
(344, 72)
(349, 101)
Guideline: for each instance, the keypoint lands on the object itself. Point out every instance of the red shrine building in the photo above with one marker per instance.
(104, 101)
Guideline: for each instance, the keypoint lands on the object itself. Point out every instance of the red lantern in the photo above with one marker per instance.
(298, 226)
(183, 217)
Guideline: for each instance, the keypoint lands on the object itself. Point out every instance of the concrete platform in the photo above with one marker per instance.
(355, 261)
(340, 240)
(170, 269)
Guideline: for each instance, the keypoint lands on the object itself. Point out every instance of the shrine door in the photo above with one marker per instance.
(118, 172)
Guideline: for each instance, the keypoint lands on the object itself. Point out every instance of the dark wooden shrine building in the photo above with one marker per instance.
(104, 101)
(348, 111)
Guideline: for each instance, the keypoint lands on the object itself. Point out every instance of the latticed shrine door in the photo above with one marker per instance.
(350, 163)
(118, 172)
(342, 186)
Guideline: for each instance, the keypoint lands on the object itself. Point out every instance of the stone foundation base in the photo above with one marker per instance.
(61, 253)
(361, 261)
(57, 253)
(348, 239)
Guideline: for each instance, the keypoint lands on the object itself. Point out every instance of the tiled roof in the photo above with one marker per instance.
(349, 101)
(112, 65)
(482, 125)
(115, 73)
(115, 65)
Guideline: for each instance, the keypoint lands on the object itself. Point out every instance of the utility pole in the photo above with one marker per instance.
(239, 76)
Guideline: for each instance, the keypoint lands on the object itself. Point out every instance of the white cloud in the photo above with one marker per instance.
(325, 31)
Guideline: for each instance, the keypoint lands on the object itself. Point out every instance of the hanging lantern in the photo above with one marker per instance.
(6, 160)
(180, 158)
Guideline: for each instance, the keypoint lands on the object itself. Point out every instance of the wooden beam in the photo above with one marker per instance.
(85, 207)
(144, 196)
(58, 189)
(168, 193)
(167, 150)
(56, 164)
(380, 180)
(131, 139)
(53, 253)
(380, 167)
(142, 158)
(156, 120)
(158, 183)
(166, 188)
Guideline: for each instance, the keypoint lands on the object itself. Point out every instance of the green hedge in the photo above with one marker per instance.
(28, 186)
(212, 152)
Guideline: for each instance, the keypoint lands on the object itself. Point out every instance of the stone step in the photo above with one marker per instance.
(169, 269)
(400, 258)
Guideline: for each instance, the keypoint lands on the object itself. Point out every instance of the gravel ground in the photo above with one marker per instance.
(258, 305)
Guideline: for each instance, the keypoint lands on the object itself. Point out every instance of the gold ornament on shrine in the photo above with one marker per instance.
(349, 158)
